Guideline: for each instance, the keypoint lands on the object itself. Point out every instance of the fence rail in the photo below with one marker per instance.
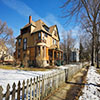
(34, 89)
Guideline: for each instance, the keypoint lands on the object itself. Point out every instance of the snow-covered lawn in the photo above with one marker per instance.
(11, 76)
(91, 92)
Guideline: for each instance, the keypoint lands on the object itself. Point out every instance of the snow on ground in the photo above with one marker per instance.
(90, 91)
(11, 76)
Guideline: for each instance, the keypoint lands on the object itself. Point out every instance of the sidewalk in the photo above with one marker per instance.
(69, 91)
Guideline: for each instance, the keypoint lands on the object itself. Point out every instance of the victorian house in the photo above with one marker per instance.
(38, 44)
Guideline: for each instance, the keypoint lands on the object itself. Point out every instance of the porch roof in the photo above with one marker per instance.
(55, 48)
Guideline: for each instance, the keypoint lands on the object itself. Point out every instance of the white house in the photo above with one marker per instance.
(74, 55)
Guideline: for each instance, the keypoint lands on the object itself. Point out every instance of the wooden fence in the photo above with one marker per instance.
(34, 89)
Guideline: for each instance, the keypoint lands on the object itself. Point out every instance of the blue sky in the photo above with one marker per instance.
(16, 14)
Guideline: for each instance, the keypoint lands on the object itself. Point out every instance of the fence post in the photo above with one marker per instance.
(18, 91)
(48, 85)
(66, 75)
(49, 89)
(1, 94)
(52, 81)
(46, 81)
(60, 78)
(31, 89)
(13, 91)
(39, 88)
(42, 96)
(34, 90)
(8, 92)
(23, 89)
(27, 89)
(57, 79)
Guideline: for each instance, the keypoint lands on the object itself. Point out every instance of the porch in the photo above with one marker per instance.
(55, 56)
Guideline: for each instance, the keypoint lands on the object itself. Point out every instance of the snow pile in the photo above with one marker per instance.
(91, 91)
(63, 67)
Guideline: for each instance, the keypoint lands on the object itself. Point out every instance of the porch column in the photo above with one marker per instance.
(53, 57)
(60, 55)
(56, 55)
(41, 51)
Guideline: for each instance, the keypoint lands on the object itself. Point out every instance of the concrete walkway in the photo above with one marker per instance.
(69, 91)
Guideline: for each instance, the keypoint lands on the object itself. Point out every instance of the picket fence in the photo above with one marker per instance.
(35, 88)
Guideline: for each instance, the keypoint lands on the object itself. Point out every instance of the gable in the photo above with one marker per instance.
(55, 33)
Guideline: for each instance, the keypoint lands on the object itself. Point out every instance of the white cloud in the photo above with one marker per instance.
(21, 8)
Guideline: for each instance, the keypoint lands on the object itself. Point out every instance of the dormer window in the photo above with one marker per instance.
(25, 30)
(46, 28)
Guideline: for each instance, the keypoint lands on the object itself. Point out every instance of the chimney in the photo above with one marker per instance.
(30, 19)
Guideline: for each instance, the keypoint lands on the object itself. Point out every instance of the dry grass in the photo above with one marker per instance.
(26, 68)
(98, 71)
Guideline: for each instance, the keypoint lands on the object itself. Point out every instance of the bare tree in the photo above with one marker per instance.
(91, 10)
(6, 38)
(11, 45)
(95, 37)
(5, 32)
(67, 44)
(85, 47)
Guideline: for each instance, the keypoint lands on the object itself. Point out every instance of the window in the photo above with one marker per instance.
(55, 55)
(46, 35)
(43, 51)
(54, 41)
(25, 44)
(38, 51)
(18, 53)
(46, 28)
(58, 55)
(42, 36)
(55, 33)
(19, 42)
(50, 53)
(24, 55)
(25, 30)
(39, 36)
(8, 57)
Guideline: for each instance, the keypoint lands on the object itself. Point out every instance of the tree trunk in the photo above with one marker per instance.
(97, 51)
(93, 52)
(97, 60)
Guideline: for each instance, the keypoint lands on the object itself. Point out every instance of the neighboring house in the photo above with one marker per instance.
(38, 44)
(9, 58)
(74, 55)
(4, 55)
